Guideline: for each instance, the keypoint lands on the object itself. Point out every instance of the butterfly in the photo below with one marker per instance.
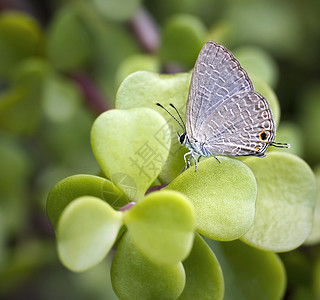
(224, 115)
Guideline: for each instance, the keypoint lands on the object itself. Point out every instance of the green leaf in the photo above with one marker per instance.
(250, 25)
(136, 63)
(291, 133)
(316, 278)
(69, 43)
(61, 98)
(309, 112)
(161, 226)
(76, 186)
(223, 195)
(299, 266)
(113, 43)
(314, 236)
(258, 63)
(127, 145)
(16, 167)
(117, 10)
(67, 140)
(135, 277)
(87, 229)
(204, 278)
(285, 202)
(249, 273)
(20, 38)
(22, 260)
(182, 38)
(20, 104)
(144, 89)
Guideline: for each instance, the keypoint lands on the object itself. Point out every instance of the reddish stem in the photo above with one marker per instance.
(90, 92)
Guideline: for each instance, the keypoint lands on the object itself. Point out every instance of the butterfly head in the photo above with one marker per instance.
(182, 138)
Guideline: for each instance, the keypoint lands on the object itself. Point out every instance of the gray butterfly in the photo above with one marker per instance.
(224, 115)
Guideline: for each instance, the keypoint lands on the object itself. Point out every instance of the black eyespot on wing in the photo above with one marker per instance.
(263, 136)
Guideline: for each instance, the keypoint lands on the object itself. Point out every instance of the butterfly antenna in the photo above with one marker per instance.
(280, 145)
(178, 115)
(183, 128)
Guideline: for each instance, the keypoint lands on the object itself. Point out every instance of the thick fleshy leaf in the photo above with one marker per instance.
(258, 63)
(316, 279)
(250, 25)
(20, 105)
(144, 89)
(249, 273)
(113, 43)
(291, 133)
(299, 266)
(69, 43)
(223, 195)
(129, 148)
(16, 167)
(117, 10)
(87, 229)
(136, 63)
(20, 38)
(314, 236)
(76, 186)
(309, 112)
(161, 226)
(135, 277)
(61, 99)
(182, 38)
(285, 202)
(204, 279)
(21, 261)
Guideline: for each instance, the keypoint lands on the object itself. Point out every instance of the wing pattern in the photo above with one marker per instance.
(216, 77)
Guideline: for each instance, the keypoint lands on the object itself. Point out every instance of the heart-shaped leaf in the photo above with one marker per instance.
(68, 41)
(129, 148)
(87, 229)
(144, 89)
(76, 186)
(223, 195)
(182, 38)
(285, 202)
(136, 63)
(161, 226)
(135, 277)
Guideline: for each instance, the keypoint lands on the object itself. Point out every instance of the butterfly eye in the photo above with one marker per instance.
(182, 138)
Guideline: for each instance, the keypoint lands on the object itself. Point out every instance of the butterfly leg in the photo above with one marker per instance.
(211, 154)
(187, 161)
(195, 161)
(217, 159)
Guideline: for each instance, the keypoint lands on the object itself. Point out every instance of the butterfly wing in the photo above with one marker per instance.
(241, 125)
(217, 75)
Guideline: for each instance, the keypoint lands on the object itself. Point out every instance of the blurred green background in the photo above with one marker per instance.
(61, 63)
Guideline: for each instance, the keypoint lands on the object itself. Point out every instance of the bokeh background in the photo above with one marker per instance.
(61, 63)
